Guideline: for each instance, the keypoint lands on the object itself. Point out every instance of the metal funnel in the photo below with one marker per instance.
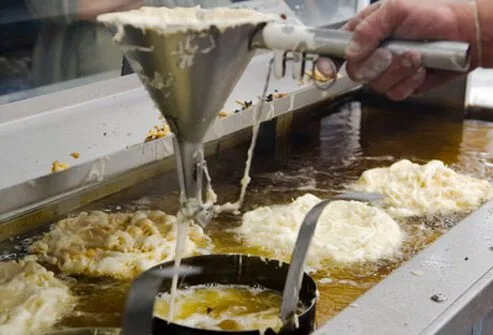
(189, 74)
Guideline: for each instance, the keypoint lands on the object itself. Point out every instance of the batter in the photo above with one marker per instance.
(347, 232)
(32, 300)
(169, 20)
(221, 307)
(119, 245)
(433, 188)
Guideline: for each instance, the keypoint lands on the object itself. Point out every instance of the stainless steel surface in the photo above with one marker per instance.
(189, 75)
(187, 166)
(139, 305)
(360, 196)
(443, 55)
(291, 292)
(479, 100)
(43, 90)
(292, 287)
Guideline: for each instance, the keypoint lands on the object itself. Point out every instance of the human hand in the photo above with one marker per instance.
(399, 76)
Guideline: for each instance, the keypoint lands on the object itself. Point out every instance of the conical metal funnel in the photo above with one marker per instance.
(189, 74)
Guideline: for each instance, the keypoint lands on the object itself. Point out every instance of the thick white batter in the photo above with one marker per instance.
(120, 245)
(169, 20)
(433, 188)
(32, 300)
(347, 231)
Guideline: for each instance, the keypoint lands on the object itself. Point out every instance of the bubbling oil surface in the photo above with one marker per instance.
(221, 307)
(322, 157)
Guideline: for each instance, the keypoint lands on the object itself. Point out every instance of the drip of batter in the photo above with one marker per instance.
(245, 181)
(182, 225)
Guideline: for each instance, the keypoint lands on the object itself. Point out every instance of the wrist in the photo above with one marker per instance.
(469, 31)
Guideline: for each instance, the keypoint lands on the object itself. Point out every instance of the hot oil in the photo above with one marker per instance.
(326, 155)
(224, 307)
(322, 156)
(100, 303)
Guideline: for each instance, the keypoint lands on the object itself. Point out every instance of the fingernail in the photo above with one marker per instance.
(353, 22)
(406, 62)
(353, 48)
(414, 57)
(325, 67)
(419, 75)
(378, 62)
(382, 59)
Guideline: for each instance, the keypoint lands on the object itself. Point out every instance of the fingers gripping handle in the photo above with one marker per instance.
(440, 55)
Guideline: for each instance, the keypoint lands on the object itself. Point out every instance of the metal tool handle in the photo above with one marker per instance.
(440, 55)
(139, 306)
(292, 287)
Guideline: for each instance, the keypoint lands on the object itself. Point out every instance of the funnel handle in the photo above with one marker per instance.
(440, 55)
